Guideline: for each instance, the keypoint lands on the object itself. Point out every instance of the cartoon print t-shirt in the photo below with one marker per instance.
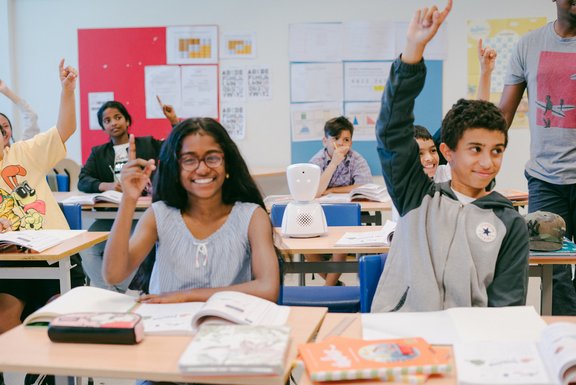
(26, 199)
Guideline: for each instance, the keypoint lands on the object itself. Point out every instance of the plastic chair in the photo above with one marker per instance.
(73, 214)
(71, 169)
(338, 299)
(58, 182)
(370, 268)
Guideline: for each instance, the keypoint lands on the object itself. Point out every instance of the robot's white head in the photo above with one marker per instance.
(303, 181)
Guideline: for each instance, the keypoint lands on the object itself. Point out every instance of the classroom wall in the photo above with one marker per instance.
(35, 34)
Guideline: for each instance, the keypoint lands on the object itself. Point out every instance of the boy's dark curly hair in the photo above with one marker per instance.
(467, 114)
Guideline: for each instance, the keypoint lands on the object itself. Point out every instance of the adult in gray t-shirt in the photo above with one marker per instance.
(544, 62)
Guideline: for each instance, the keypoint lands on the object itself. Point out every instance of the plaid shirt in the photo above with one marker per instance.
(352, 170)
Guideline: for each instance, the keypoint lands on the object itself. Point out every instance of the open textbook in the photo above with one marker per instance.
(236, 350)
(36, 240)
(551, 361)
(174, 318)
(458, 324)
(365, 192)
(110, 196)
(382, 237)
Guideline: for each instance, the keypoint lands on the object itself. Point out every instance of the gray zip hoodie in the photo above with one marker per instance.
(444, 254)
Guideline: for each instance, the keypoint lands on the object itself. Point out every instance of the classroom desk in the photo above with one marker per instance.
(539, 266)
(322, 245)
(103, 210)
(155, 358)
(60, 253)
(350, 325)
(542, 266)
(372, 211)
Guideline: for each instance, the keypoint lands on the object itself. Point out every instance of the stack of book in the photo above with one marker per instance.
(366, 192)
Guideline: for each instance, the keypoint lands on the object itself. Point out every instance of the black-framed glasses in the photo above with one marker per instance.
(191, 162)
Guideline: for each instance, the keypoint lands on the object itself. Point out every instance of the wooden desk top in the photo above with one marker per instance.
(334, 321)
(261, 172)
(325, 243)
(65, 249)
(155, 358)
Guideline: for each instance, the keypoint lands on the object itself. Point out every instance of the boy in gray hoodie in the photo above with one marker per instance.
(455, 244)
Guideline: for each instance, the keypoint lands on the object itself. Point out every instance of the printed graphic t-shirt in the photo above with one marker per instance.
(25, 196)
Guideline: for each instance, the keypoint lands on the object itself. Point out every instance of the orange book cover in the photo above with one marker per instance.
(342, 358)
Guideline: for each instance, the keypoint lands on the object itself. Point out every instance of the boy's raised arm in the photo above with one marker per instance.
(67, 114)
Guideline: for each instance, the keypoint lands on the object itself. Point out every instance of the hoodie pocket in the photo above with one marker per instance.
(402, 301)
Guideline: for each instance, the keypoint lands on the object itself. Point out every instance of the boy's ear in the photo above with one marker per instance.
(324, 141)
(446, 151)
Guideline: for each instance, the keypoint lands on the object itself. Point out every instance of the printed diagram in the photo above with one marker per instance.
(192, 44)
(239, 47)
(307, 119)
(195, 48)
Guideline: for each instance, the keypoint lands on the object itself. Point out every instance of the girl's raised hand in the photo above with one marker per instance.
(136, 173)
(68, 76)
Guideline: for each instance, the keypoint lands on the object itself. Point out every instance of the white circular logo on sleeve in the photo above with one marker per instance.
(486, 232)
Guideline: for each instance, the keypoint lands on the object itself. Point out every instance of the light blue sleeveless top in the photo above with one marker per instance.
(184, 262)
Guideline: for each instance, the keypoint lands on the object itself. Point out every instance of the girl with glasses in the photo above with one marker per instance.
(208, 221)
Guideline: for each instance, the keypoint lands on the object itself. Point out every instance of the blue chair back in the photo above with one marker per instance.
(370, 268)
(63, 182)
(337, 214)
(73, 214)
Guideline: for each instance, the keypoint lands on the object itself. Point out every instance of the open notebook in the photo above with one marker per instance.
(173, 318)
(36, 240)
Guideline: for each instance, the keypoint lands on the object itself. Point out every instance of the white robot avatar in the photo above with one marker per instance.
(303, 217)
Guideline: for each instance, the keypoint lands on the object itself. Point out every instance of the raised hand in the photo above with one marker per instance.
(168, 112)
(136, 173)
(3, 86)
(486, 57)
(68, 76)
(339, 153)
(422, 29)
(131, 147)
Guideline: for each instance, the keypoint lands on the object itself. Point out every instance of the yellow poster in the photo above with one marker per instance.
(502, 35)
